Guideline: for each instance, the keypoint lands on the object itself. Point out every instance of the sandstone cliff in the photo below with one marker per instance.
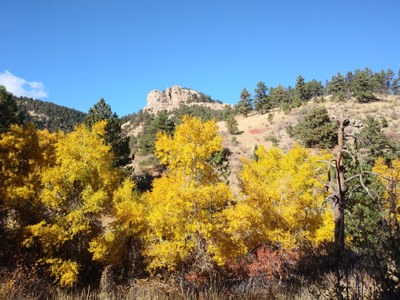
(175, 96)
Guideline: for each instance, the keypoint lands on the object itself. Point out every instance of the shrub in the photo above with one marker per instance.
(315, 129)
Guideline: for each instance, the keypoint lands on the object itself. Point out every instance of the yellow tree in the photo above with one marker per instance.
(119, 244)
(24, 153)
(76, 190)
(182, 207)
(390, 178)
(282, 202)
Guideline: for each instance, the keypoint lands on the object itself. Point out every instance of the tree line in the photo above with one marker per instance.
(364, 85)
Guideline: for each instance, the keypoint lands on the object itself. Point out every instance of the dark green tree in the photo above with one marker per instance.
(262, 102)
(300, 93)
(315, 129)
(232, 124)
(337, 87)
(396, 84)
(279, 96)
(389, 81)
(8, 110)
(119, 143)
(378, 82)
(372, 142)
(313, 89)
(362, 86)
(245, 103)
(161, 123)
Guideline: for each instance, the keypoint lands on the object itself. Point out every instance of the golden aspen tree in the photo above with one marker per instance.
(282, 202)
(76, 190)
(182, 207)
(390, 178)
(24, 153)
(127, 224)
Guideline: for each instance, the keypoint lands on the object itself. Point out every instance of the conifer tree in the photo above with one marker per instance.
(113, 136)
(245, 103)
(8, 110)
(300, 93)
(337, 87)
(262, 101)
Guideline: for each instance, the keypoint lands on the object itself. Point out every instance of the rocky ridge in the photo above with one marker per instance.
(175, 96)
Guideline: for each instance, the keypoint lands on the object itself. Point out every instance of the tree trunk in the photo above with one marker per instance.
(341, 188)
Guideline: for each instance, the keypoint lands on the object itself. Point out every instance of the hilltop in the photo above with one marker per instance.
(174, 97)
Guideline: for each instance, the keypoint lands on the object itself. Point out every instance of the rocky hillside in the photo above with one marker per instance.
(173, 97)
(270, 129)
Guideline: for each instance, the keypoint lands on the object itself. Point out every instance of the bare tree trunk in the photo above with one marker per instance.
(341, 186)
(339, 209)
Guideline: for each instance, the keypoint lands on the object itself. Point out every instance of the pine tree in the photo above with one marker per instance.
(232, 124)
(300, 90)
(8, 110)
(337, 87)
(262, 101)
(396, 85)
(363, 85)
(113, 136)
(279, 96)
(316, 129)
(245, 103)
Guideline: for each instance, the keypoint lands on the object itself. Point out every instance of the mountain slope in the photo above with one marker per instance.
(47, 115)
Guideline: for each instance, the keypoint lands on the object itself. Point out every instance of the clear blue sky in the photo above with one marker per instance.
(75, 52)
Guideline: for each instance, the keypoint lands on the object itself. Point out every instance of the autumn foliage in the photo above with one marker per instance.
(64, 202)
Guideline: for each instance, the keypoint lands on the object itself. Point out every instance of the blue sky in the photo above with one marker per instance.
(75, 52)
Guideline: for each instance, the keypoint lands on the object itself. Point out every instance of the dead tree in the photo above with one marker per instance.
(339, 193)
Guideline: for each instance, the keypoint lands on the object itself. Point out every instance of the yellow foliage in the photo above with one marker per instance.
(129, 222)
(75, 192)
(183, 205)
(193, 143)
(24, 152)
(285, 194)
(65, 272)
(390, 178)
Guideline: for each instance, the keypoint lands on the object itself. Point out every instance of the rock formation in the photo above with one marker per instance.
(175, 96)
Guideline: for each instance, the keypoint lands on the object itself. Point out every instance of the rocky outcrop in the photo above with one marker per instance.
(175, 96)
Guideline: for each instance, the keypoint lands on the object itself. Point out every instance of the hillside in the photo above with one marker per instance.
(256, 129)
(47, 115)
(270, 129)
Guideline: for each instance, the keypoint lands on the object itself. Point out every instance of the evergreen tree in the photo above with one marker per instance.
(313, 89)
(113, 136)
(232, 124)
(279, 96)
(337, 87)
(262, 101)
(245, 103)
(362, 86)
(316, 129)
(160, 123)
(348, 82)
(378, 82)
(8, 110)
(373, 143)
(300, 89)
(396, 85)
(389, 80)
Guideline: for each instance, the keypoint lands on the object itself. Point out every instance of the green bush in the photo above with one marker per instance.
(315, 129)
